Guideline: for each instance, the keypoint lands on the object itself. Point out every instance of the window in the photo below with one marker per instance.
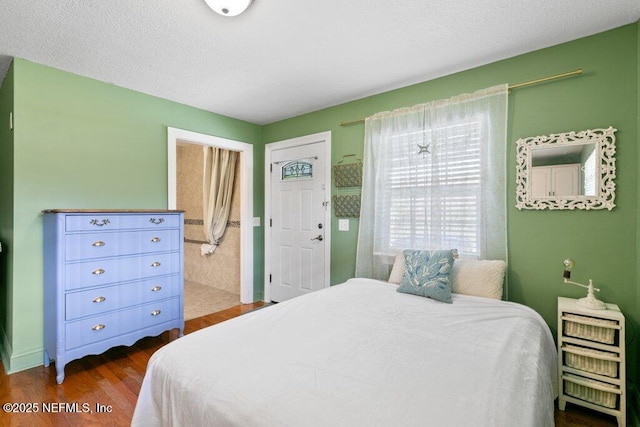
(589, 170)
(297, 169)
(434, 190)
(434, 178)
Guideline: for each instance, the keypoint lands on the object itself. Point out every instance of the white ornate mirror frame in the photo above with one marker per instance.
(538, 196)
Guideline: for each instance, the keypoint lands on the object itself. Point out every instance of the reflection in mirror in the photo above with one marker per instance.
(573, 170)
(564, 171)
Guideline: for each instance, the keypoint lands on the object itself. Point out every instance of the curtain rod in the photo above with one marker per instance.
(510, 87)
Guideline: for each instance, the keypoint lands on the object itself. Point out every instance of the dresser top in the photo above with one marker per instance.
(89, 211)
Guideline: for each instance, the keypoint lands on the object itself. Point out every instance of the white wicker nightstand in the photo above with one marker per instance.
(591, 361)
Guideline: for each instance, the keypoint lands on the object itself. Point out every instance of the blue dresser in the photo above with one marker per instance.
(110, 278)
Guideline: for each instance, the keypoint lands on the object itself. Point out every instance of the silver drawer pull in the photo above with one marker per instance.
(155, 239)
(98, 327)
(155, 264)
(156, 221)
(99, 299)
(98, 243)
(99, 223)
(156, 288)
(155, 312)
(98, 271)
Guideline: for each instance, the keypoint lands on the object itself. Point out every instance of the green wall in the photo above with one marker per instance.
(6, 206)
(81, 143)
(603, 243)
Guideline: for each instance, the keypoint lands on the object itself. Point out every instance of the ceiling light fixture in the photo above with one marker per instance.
(229, 7)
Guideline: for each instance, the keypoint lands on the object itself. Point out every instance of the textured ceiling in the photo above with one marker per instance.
(283, 58)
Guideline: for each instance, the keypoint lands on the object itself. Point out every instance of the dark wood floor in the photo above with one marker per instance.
(111, 381)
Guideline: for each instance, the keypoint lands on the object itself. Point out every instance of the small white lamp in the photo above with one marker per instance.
(590, 301)
(229, 7)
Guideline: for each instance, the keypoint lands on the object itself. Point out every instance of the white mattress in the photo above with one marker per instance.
(358, 354)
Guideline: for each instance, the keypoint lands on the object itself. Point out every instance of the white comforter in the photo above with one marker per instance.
(358, 354)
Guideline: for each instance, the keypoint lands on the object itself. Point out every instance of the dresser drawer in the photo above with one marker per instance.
(159, 288)
(107, 298)
(100, 245)
(106, 222)
(104, 271)
(98, 328)
(158, 312)
(92, 302)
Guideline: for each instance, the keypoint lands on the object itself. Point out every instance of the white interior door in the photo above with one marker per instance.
(299, 218)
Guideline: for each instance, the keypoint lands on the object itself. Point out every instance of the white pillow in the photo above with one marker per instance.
(397, 271)
(481, 278)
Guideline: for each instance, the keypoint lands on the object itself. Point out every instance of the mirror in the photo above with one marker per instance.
(566, 171)
(563, 171)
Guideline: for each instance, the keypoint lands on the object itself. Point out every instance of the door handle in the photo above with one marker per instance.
(318, 237)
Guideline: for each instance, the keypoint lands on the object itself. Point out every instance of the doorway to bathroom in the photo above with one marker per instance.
(224, 278)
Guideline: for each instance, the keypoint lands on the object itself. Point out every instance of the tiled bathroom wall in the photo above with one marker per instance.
(221, 269)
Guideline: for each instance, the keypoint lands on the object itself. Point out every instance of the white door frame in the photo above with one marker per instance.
(325, 138)
(246, 194)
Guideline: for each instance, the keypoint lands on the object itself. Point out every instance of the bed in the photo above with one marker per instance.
(358, 354)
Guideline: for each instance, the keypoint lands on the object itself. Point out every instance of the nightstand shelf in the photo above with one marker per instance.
(591, 358)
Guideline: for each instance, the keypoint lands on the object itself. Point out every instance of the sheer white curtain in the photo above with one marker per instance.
(434, 178)
(217, 189)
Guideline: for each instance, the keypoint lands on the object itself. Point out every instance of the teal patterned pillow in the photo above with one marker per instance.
(427, 273)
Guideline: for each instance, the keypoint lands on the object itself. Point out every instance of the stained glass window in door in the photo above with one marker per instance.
(297, 169)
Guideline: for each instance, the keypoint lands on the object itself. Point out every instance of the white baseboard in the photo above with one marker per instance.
(18, 362)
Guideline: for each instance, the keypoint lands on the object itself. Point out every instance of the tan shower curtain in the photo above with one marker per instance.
(217, 189)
